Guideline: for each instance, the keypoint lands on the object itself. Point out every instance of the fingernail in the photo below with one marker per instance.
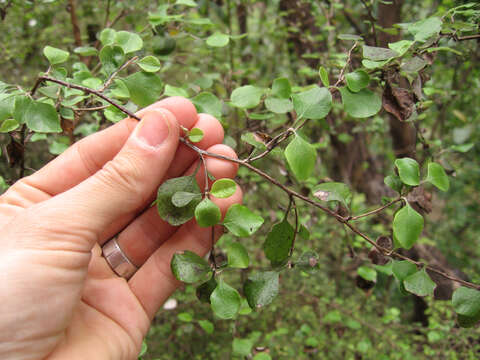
(153, 129)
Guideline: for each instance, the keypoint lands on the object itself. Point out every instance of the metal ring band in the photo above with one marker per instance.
(117, 260)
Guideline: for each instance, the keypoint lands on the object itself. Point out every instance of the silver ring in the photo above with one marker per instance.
(116, 258)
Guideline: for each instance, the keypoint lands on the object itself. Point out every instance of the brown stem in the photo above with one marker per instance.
(74, 20)
(349, 59)
(375, 211)
(114, 74)
(372, 21)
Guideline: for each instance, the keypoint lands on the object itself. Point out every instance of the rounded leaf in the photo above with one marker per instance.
(240, 221)
(301, 157)
(436, 176)
(195, 135)
(361, 104)
(261, 288)
(278, 243)
(149, 64)
(225, 301)
(55, 56)
(218, 40)
(189, 267)
(314, 103)
(407, 226)
(223, 188)
(207, 213)
(357, 80)
(246, 97)
(129, 42)
(409, 171)
(237, 256)
(419, 284)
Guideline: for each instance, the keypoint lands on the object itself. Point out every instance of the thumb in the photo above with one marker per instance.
(122, 186)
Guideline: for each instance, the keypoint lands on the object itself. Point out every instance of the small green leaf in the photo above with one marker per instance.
(281, 88)
(351, 37)
(407, 226)
(129, 42)
(322, 72)
(204, 290)
(436, 176)
(107, 36)
(409, 171)
(361, 104)
(39, 117)
(254, 140)
(120, 90)
(419, 283)
(7, 105)
(357, 80)
(240, 221)
(237, 256)
(208, 103)
(85, 51)
(393, 182)
(403, 269)
(167, 210)
(301, 157)
(333, 191)
(218, 40)
(225, 301)
(242, 347)
(463, 148)
(378, 53)
(143, 349)
(424, 29)
(145, 88)
(246, 97)
(189, 267)
(223, 188)
(466, 302)
(183, 198)
(278, 105)
(113, 114)
(261, 288)
(207, 326)
(175, 91)
(55, 56)
(367, 273)
(195, 135)
(112, 58)
(207, 213)
(59, 145)
(149, 64)
(314, 103)
(278, 243)
(401, 47)
(9, 125)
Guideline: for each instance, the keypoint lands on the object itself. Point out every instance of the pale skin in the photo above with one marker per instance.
(59, 299)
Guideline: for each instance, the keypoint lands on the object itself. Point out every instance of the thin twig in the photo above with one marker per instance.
(349, 59)
(375, 211)
(114, 74)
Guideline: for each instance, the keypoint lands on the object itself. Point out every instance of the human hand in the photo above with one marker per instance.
(59, 299)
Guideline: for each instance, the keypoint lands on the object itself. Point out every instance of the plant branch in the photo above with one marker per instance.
(341, 77)
(114, 74)
(374, 211)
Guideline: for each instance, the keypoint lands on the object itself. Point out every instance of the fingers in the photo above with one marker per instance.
(89, 155)
(184, 157)
(146, 233)
(120, 187)
(154, 282)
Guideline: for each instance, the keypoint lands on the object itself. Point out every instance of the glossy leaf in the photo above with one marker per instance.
(333, 191)
(408, 171)
(419, 284)
(466, 302)
(175, 91)
(204, 291)
(361, 104)
(85, 51)
(393, 182)
(189, 267)
(314, 103)
(207, 213)
(403, 269)
(278, 105)
(107, 36)
(378, 53)
(246, 97)
(207, 326)
(167, 210)
(149, 64)
(223, 188)
(225, 301)
(8, 125)
(112, 58)
(55, 56)
(242, 222)
(261, 289)
(407, 226)
(278, 243)
(436, 175)
(128, 41)
(357, 80)
(301, 157)
(237, 256)
(38, 116)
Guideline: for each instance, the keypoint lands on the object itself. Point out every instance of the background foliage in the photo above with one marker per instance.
(417, 100)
